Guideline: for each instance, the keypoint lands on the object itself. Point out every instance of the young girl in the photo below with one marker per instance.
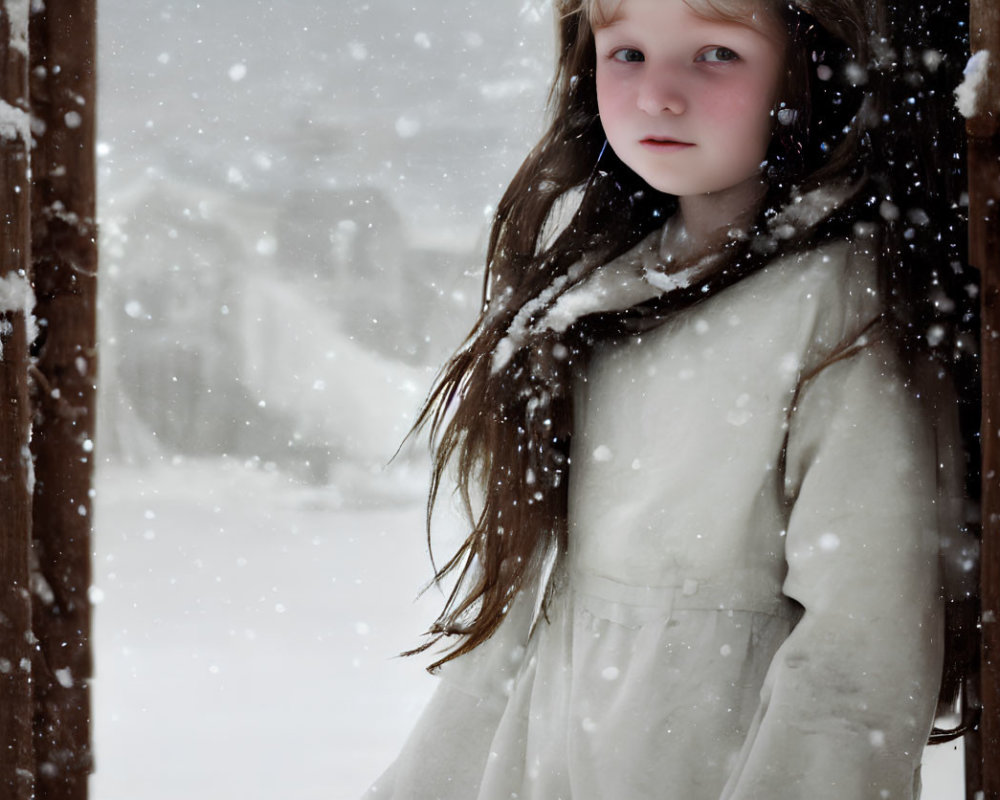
(706, 488)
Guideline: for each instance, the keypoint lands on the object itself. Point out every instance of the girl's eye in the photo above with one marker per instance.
(716, 55)
(628, 55)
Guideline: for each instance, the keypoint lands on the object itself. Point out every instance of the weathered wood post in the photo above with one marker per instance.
(984, 253)
(16, 642)
(64, 255)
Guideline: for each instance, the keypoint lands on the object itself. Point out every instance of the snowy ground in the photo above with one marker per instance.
(246, 634)
(246, 630)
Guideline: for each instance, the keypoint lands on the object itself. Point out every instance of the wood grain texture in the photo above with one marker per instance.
(64, 257)
(984, 253)
(16, 762)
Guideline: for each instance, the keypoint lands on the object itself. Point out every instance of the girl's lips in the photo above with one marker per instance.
(658, 143)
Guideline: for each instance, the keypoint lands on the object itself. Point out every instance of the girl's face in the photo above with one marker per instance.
(686, 100)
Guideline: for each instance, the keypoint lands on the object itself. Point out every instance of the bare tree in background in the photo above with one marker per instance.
(49, 258)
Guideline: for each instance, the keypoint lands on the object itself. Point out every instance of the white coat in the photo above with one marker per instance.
(750, 607)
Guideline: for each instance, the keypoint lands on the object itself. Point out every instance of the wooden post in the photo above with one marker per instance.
(984, 253)
(64, 255)
(16, 762)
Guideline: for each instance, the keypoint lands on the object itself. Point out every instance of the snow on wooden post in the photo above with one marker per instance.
(16, 760)
(980, 103)
(64, 256)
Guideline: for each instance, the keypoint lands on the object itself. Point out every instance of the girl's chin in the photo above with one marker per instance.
(681, 183)
(690, 188)
(679, 188)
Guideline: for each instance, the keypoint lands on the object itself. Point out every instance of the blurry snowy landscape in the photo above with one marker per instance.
(293, 202)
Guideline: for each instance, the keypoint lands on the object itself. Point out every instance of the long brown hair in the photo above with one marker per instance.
(504, 425)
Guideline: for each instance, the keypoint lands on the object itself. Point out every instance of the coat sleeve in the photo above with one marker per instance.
(849, 697)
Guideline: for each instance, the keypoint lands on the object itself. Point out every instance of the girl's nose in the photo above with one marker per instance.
(661, 91)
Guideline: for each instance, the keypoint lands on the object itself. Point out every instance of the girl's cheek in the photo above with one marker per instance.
(727, 107)
(738, 103)
(606, 90)
(613, 95)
